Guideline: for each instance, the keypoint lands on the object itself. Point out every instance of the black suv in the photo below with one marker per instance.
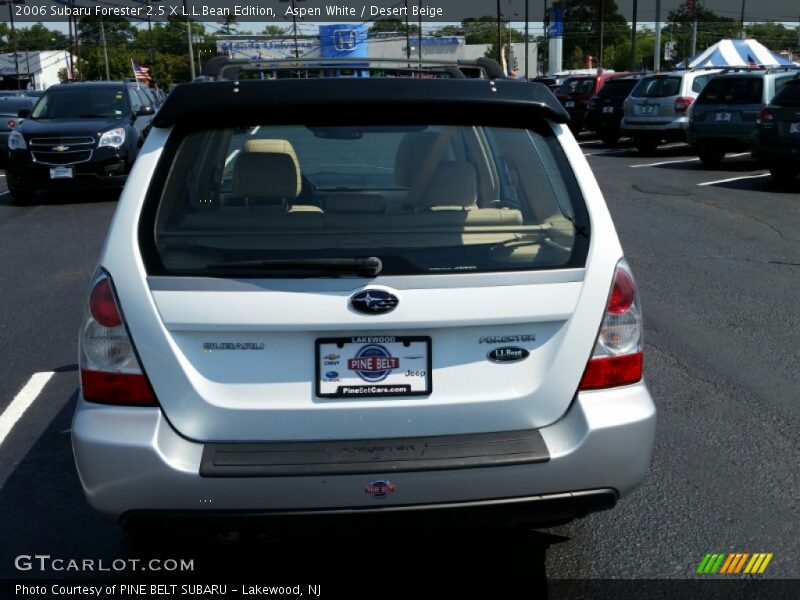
(776, 139)
(605, 110)
(79, 136)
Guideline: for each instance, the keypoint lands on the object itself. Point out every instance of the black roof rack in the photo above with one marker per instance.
(224, 68)
(503, 102)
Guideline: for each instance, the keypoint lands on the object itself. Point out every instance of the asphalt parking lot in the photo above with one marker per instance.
(717, 257)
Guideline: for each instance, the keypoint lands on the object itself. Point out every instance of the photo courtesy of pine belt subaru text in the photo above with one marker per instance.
(361, 295)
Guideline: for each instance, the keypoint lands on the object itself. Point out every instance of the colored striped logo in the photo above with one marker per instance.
(734, 563)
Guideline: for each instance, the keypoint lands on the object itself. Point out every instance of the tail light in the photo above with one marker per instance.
(617, 356)
(110, 369)
(11, 123)
(765, 115)
(682, 103)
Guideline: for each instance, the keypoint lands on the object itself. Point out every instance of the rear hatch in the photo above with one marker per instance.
(445, 292)
(783, 129)
(728, 107)
(576, 92)
(652, 101)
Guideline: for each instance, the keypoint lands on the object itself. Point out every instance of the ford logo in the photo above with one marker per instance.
(373, 302)
(331, 374)
(508, 354)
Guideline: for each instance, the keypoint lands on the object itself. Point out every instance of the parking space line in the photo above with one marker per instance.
(587, 142)
(665, 162)
(231, 156)
(604, 152)
(22, 401)
(734, 179)
(255, 130)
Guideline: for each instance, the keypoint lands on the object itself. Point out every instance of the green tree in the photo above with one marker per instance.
(393, 25)
(582, 30)
(229, 26)
(711, 28)
(773, 35)
(274, 31)
(39, 37)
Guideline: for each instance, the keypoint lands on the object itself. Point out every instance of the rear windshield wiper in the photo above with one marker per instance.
(370, 266)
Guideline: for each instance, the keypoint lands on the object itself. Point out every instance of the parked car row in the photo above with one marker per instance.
(717, 111)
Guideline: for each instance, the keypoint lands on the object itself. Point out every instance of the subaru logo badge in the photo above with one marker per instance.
(373, 302)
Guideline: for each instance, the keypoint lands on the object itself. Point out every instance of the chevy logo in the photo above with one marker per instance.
(60, 148)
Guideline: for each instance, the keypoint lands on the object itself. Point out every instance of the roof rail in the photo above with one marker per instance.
(224, 68)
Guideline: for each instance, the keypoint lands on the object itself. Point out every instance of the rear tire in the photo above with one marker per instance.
(646, 144)
(20, 197)
(610, 138)
(784, 175)
(711, 157)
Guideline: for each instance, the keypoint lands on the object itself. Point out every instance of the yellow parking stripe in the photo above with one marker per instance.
(754, 562)
(765, 563)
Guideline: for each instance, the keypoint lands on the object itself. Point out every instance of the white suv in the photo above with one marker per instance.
(361, 296)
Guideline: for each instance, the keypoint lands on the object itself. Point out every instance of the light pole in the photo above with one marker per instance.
(189, 40)
(10, 4)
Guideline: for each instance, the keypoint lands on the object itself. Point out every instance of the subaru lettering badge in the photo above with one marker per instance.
(373, 302)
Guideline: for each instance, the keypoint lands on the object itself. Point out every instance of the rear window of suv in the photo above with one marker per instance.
(657, 87)
(423, 199)
(577, 86)
(732, 90)
(617, 88)
(789, 95)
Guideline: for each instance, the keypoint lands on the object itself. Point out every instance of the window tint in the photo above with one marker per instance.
(577, 85)
(789, 95)
(82, 102)
(423, 199)
(136, 100)
(617, 88)
(733, 90)
(700, 82)
(780, 82)
(657, 87)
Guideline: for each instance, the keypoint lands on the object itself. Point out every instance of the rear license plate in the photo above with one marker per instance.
(608, 109)
(61, 172)
(369, 366)
(723, 116)
(794, 128)
(569, 104)
(647, 109)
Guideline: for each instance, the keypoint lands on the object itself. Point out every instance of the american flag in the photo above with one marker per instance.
(141, 73)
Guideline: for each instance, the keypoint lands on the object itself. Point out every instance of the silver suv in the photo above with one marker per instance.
(361, 296)
(657, 109)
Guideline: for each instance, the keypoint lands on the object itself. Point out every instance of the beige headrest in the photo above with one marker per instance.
(256, 186)
(414, 148)
(268, 175)
(453, 184)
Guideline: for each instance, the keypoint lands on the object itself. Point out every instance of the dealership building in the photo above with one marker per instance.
(32, 70)
(352, 42)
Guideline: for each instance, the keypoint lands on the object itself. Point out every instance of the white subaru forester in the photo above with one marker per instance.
(361, 296)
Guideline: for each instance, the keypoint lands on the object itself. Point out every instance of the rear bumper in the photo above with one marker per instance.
(673, 128)
(545, 509)
(132, 462)
(774, 154)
